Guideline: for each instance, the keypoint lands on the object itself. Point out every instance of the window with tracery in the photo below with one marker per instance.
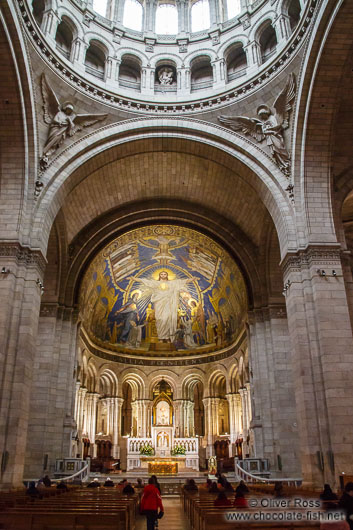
(200, 16)
(233, 8)
(100, 6)
(166, 19)
(133, 14)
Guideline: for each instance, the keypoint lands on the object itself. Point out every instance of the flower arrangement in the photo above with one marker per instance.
(146, 449)
(178, 449)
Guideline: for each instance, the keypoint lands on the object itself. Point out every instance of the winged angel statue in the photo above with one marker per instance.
(62, 120)
(269, 126)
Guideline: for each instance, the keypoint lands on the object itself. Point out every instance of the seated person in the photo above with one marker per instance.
(128, 489)
(139, 484)
(46, 481)
(240, 500)
(108, 483)
(94, 484)
(206, 485)
(242, 487)
(346, 503)
(121, 485)
(33, 491)
(222, 500)
(213, 488)
(190, 485)
(62, 486)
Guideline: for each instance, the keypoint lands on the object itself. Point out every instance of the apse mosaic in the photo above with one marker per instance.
(163, 288)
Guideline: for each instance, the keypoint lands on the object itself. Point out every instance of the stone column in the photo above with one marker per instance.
(283, 30)
(50, 24)
(322, 357)
(117, 404)
(20, 293)
(92, 434)
(232, 420)
(253, 54)
(214, 12)
(118, 11)
(215, 406)
(77, 401)
(207, 403)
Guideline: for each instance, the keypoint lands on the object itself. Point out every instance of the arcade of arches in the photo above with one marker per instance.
(176, 237)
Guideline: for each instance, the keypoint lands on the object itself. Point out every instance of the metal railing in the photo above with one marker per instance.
(249, 477)
(81, 474)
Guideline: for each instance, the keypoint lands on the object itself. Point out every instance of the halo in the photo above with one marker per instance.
(171, 274)
(192, 300)
(138, 291)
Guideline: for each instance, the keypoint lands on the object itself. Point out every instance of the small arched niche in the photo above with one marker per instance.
(268, 41)
(236, 61)
(201, 73)
(165, 77)
(95, 59)
(130, 72)
(64, 37)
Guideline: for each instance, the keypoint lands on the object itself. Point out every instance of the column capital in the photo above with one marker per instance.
(319, 256)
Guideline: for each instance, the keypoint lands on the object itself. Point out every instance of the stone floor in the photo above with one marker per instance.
(174, 517)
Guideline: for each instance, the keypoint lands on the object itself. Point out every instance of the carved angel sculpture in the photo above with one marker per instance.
(62, 121)
(269, 126)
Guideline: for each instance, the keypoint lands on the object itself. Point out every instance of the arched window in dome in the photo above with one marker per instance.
(64, 38)
(233, 8)
(166, 19)
(294, 11)
(268, 41)
(100, 6)
(133, 14)
(200, 16)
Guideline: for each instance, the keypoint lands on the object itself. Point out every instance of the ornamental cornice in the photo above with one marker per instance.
(270, 312)
(23, 255)
(319, 256)
(225, 98)
(162, 361)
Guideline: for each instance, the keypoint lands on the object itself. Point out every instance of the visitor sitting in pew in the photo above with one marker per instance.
(346, 503)
(242, 487)
(224, 484)
(33, 491)
(121, 485)
(108, 483)
(46, 481)
(222, 500)
(190, 485)
(62, 486)
(278, 490)
(213, 488)
(128, 489)
(240, 500)
(94, 484)
(139, 484)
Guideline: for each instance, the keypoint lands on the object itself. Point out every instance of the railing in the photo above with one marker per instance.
(266, 56)
(66, 53)
(201, 85)
(133, 85)
(134, 444)
(94, 71)
(165, 88)
(249, 477)
(81, 474)
(191, 445)
(234, 75)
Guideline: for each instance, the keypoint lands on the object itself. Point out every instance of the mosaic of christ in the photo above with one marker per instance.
(163, 288)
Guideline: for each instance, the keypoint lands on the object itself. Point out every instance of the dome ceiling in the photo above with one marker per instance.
(163, 289)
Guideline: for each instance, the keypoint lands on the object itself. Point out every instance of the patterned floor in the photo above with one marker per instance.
(174, 518)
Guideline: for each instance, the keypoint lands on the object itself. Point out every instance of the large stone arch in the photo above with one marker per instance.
(243, 159)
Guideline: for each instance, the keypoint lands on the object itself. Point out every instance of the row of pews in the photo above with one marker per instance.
(203, 515)
(78, 509)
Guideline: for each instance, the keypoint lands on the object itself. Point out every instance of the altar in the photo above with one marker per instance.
(163, 451)
(163, 466)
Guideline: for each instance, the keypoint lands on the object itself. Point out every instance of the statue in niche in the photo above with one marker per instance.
(162, 413)
(165, 75)
(163, 440)
(62, 120)
(269, 126)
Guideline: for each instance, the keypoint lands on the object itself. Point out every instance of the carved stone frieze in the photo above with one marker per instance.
(23, 255)
(318, 256)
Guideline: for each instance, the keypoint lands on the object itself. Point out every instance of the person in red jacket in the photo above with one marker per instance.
(151, 502)
(240, 500)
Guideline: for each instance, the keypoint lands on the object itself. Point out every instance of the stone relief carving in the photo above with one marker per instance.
(269, 126)
(62, 120)
(165, 75)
